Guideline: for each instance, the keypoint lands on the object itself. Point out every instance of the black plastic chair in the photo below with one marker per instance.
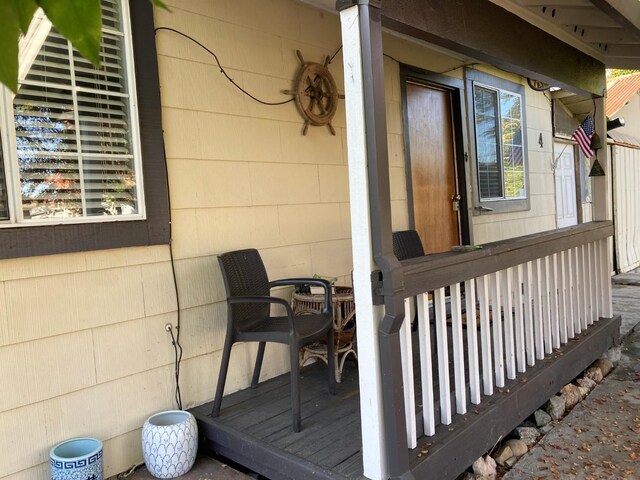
(407, 244)
(250, 320)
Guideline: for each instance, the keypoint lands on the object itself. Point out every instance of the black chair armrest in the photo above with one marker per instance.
(274, 300)
(320, 282)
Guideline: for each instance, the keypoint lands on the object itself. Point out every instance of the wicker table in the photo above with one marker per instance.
(344, 325)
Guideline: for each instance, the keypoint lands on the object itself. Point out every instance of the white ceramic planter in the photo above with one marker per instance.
(170, 443)
(77, 459)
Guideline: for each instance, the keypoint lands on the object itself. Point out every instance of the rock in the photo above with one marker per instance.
(529, 435)
(469, 476)
(511, 462)
(542, 418)
(503, 454)
(604, 364)
(584, 391)
(586, 383)
(485, 468)
(594, 373)
(546, 429)
(614, 354)
(571, 395)
(518, 447)
(555, 407)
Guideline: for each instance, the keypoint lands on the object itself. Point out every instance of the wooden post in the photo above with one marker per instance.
(369, 316)
(602, 185)
(384, 435)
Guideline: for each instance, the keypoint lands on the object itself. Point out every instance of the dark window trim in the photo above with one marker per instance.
(25, 241)
(483, 207)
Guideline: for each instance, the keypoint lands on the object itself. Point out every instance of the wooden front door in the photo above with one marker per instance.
(433, 167)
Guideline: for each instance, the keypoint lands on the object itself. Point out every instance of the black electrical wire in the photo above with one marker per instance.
(175, 339)
(222, 70)
(178, 358)
(334, 55)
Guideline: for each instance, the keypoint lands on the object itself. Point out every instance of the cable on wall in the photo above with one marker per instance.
(175, 338)
(222, 70)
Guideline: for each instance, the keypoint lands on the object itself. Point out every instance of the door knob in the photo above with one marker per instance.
(456, 197)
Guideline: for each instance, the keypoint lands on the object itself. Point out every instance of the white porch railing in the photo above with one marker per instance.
(510, 305)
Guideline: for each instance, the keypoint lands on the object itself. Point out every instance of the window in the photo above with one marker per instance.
(74, 151)
(500, 150)
(71, 153)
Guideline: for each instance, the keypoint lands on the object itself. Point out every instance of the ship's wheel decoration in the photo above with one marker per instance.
(316, 94)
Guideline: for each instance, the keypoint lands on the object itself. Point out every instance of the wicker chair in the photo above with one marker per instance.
(249, 320)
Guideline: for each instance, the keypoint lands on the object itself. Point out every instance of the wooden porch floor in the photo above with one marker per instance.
(254, 427)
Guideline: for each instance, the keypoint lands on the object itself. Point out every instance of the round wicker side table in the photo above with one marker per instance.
(344, 326)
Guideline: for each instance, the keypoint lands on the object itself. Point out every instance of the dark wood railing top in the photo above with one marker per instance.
(424, 274)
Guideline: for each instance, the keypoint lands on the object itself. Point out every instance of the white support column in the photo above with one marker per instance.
(369, 316)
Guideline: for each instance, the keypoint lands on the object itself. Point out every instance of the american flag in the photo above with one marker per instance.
(583, 135)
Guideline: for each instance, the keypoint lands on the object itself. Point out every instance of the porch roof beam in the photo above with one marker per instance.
(491, 34)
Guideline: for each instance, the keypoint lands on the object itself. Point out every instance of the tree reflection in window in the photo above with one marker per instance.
(499, 144)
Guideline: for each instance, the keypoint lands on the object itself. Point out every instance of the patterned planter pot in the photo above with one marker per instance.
(170, 443)
(77, 459)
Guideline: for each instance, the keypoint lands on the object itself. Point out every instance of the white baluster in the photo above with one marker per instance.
(590, 290)
(577, 290)
(426, 367)
(546, 310)
(458, 349)
(496, 331)
(507, 307)
(530, 345)
(569, 293)
(584, 290)
(597, 280)
(562, 297)
(537, 308)
(485, 334)
(519, 319)
(553, 300)
(406, 351)
(472, 341)
(443, 355)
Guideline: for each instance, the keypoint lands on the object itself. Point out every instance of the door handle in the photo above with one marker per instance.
(455, 200)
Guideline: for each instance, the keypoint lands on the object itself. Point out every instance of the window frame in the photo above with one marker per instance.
(24, 240)
(491, 82)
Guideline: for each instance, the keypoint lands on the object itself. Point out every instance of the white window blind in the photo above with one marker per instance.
(75, 133)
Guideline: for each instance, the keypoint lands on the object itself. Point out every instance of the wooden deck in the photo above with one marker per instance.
(254, 427)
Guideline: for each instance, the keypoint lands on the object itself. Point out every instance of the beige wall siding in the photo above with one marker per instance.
(83, 352)
(83, 349)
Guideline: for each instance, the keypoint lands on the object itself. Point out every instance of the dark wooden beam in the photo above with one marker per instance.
(489, 33)
(424, 274)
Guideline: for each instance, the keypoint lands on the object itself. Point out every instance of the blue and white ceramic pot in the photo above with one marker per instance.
(170, 443)
(77, 459)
